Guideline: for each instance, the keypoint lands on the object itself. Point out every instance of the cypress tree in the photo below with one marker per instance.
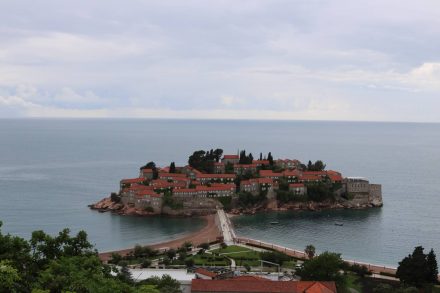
(172, 167)
(432, 267)
(270, 159)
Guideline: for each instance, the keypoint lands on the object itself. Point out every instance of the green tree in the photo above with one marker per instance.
(171, 253)
(204, 245)
(189, 263)
(188, 245)
(324, 267)
(172, 167)
(8, 277)
(79, 274)
(432, 267)
(270, 158)
(147, 289)
(145, 263)
(310, 251)
(165, 284)
(414, 269)
(383, 288)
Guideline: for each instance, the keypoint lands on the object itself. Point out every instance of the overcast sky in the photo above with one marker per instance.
(326, 60)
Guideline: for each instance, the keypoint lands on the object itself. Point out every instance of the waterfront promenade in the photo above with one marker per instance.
(376, 269)
(219, 226)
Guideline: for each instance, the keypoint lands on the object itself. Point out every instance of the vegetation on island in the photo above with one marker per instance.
(204, 160)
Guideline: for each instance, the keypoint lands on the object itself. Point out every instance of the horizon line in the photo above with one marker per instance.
(219, 119)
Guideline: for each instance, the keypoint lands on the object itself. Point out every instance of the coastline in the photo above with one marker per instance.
(209, 233)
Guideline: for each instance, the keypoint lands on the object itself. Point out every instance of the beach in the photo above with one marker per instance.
(208, 233)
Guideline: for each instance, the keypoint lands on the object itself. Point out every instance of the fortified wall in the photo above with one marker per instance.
(361, 192)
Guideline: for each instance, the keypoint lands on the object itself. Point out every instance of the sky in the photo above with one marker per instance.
(291, 60)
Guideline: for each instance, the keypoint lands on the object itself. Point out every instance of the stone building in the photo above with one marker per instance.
(233, 159)
(298, 188)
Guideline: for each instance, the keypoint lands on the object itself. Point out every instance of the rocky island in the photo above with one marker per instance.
(239, 184)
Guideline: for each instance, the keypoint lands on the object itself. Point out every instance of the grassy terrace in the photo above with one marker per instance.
(244, 256)
(241, 255)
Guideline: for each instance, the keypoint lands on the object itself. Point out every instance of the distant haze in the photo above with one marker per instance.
(314, 60)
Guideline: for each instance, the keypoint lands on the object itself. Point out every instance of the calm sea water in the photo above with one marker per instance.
(50, 170)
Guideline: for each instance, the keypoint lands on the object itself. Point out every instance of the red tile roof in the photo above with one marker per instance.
(269, 173)
(264, 180)
(291, 173)
(205, 272)
(245, 166)
(249, 278)
(232, 176)
(231, 157)
(142, 193)
(252, 286)
(164, 174)
(310, 177)
(133, 180)
(262, 162)
(293, 185)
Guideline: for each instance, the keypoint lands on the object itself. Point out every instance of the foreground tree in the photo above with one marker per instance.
(166, 284)
(172, 167)
(324, 267)
(432, 267)
(416, 270)
(310, 251)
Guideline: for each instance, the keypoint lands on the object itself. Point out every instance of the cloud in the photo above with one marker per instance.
(248, 59)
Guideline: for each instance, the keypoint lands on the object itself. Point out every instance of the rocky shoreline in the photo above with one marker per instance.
(304, 206)
(107, 205)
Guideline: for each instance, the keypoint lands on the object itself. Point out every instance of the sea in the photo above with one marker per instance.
(52, 169)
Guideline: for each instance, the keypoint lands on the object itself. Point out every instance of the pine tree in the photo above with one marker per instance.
(432, 267)
(250, 158)
(270, 158)
(261, 156)
(172, 167)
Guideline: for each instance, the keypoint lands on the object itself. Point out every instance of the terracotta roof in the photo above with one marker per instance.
(249, 278)
(219, 187)
(164, 174)
(142, 193)
(245, 165)
(291, 173)
(267, 173)
(215, 176)
(265, 181)
(296, 185)
(319, 287)
(263, 162)
(205, 272)
(310, 177)
(243, 286)
(231, 157)
(133, 180)
(147, 170)
(138, 187)
(320, 173)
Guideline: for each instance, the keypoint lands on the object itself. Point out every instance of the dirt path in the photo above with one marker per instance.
(208, 233)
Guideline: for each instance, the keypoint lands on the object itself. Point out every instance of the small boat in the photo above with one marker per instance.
(339, 224)
(274, 222)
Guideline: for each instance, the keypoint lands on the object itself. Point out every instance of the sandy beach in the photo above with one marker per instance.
(208, 233)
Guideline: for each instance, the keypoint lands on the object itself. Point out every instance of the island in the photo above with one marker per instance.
(239, 184)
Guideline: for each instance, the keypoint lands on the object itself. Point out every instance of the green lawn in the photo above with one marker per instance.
(241, 255)
(210, 260)
(353, 282)
(289, 264)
